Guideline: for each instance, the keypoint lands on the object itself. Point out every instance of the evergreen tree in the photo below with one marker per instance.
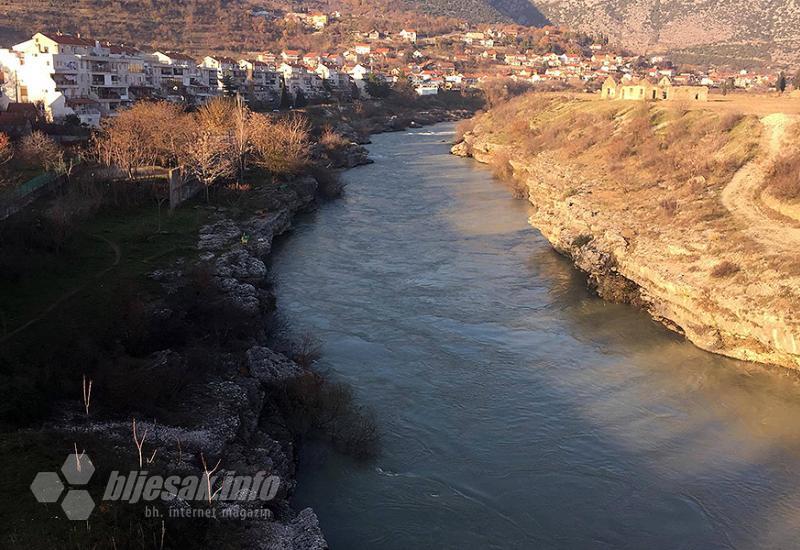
(376, 86)
(300, 99)
(286, 102)
(781, 82)
(229, 88)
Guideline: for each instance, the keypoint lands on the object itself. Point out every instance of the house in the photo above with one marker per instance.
(291, 56)
(269, 58)
(311, 59)
(426, 89)
(173, 75)
(645, 90)
(228, 70)
(409, 35)
(363, 49)
(318, 20)
(609, 89)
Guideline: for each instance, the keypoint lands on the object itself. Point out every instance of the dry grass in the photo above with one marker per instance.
(783, 179)
(639, 144)
(464, 127)
(501, 166)
(331, 140)
(725, 269)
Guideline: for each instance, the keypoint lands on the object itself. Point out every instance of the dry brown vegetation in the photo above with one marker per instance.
(783, 179)
(213, 144)
(641, 145)
(725, 269)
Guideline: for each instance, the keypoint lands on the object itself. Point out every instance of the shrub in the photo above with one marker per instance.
(463, 128)
(331, 140)
(784, 178)
(582, 240)
(501, 90)
(501, 166)
(669, 206)
(725, 269)
(305, 352)
(329, 184)
(315, 407)
(728, 121)
(280, 146)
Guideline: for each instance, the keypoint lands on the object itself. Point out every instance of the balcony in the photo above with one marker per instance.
(65, 80)
(99, 67)
(109, 94)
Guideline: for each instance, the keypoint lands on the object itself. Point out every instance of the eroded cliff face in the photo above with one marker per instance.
(634, 253)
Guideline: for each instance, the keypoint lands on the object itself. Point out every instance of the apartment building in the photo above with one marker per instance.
(299, 79)
(339, 83)
(261, 82)
(227, 71)
(69, 75)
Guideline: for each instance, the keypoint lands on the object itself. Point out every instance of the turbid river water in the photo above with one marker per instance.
(518, 410)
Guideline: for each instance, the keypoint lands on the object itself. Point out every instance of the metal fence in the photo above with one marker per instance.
(14, 199)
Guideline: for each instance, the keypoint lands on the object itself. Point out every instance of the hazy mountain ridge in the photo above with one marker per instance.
(683, 23)
(648, 25)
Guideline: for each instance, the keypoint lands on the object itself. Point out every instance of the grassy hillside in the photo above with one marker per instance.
(643, 150)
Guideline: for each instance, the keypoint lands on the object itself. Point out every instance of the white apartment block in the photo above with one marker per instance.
(262, 83)
(297, 78)
(338, 82)
(227, 69)
(70, 75)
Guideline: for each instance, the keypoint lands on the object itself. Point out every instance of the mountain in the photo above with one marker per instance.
(729, 28)
(725, 29)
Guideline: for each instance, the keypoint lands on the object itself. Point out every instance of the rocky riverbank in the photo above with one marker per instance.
(224, 410)
(222, 385)
(669, 247)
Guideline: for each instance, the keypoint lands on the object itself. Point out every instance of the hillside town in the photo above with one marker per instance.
(61, 77)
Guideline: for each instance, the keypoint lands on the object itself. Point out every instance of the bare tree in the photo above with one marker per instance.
(241, 135)
(147, 134)
(280, 146)
(211, 157)
(41, 150)
(208, 473)
(87, 394)
(120, 143)
(139, 442)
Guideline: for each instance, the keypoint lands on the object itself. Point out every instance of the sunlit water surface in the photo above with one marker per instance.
(517, 410)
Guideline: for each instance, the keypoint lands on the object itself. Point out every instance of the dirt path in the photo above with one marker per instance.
(69, 294)
(742, 195)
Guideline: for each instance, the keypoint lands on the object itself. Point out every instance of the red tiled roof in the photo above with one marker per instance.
(179, 56)
(68, 39)
(22, 108)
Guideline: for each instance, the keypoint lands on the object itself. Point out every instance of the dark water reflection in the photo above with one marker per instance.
(518, 411)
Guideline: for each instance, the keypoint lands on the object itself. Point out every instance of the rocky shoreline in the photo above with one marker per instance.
(730, 316)
(229, 410)
(224, 413)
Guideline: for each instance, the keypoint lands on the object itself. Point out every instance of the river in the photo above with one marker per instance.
(516, 409)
